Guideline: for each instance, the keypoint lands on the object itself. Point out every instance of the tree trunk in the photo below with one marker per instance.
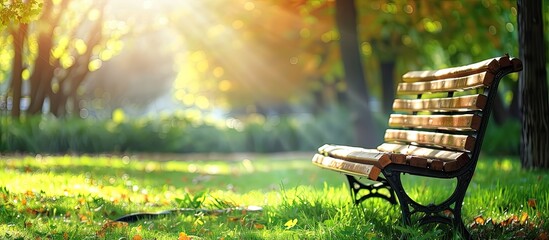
(387, 85)
(57, 103)
(533, 93)
(43, 72)
(77, 74)
(17, 68)
(42, 75)
(358, 97)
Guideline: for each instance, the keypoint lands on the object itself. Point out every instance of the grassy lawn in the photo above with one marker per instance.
(69, 197)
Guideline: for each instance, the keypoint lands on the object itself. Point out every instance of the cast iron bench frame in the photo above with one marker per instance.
(435, 150)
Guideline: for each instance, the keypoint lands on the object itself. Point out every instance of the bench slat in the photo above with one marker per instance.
(434, 164)
(465, 103)
(477, 80)
(458, 142)
(517, 64)
(462, 122)
(356, 154)
(491, 65)
(428, 153)
(369, 171)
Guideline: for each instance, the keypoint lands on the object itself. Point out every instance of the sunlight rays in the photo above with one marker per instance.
(247, 43)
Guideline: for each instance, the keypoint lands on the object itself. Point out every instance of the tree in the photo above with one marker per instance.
(18, 13)
(18, 35)
(533, 93)
(357, 92)
(54, 54)
(59, 70)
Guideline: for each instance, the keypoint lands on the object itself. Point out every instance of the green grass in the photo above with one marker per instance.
(68, 197)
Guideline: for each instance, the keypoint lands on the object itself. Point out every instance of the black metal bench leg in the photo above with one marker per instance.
(372, 190)
(433, 213)
(393, 178)
(461, 188)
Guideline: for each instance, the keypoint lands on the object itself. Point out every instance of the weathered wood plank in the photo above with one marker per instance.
(417, 161)
(482, 79)
(490, 65)
(462, 122)
(429, 153)
(465, 103)
(357, 154)
(452, 141)
(436, 164)
(517, 64)
(359, 169)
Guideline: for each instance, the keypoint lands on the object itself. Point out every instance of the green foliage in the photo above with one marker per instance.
(190, 201)
(176, 134)
(180, 134)
(19, 11)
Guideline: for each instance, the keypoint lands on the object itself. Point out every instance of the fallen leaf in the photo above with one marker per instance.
(448, 213)
(543, 236)
(115, 224)
(259, 226)
(532, 203)
(83, 218)
(183, 236)
(32, 211)
(290, 223)
(137, 237)
(509, 221)
(65, 236)
(523, 217)
(479, 220)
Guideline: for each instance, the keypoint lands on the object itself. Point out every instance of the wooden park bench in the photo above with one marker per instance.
(436, 131)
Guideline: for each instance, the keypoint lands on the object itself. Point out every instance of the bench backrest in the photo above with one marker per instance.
(441, 116)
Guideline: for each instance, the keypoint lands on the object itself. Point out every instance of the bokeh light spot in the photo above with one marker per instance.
(218, 72)
(95, 64)
(366, 48)
(492, 30)
(294, 60)
(249, 6)
(225, 85)
(80, 46)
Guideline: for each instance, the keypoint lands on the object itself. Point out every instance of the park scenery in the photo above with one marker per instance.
(268, 119)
